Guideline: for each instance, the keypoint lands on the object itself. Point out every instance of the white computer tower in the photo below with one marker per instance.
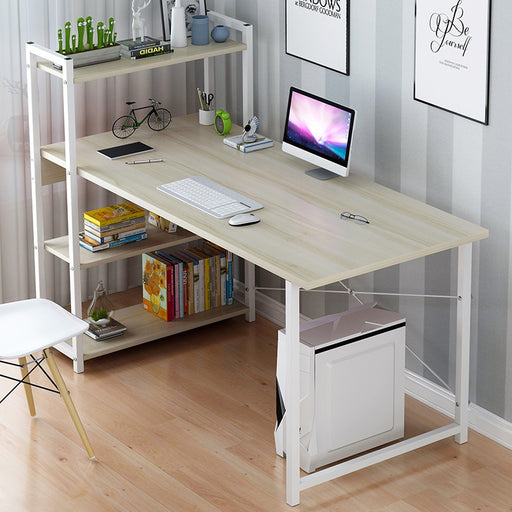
(351, 384)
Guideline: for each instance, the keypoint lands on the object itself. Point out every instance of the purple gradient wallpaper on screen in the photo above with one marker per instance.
(318, 126)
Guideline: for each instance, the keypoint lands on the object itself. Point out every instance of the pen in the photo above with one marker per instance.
(145, 161)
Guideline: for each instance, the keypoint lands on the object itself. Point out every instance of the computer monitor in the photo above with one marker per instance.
(319, 131)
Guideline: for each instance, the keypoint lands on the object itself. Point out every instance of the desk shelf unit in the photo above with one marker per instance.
(142, 326)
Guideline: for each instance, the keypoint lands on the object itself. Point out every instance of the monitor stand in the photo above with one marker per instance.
(321, 174)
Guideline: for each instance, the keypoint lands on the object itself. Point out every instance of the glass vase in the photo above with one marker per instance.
(101, 309)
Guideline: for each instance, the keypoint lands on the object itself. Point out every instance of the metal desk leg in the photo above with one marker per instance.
(292, 398)
(250, 290)
(463, 342)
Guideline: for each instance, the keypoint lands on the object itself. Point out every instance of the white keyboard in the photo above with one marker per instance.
(210, 197)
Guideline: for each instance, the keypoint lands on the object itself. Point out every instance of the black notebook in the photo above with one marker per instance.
(134, 148)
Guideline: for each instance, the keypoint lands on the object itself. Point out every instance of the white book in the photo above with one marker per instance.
(259, 142)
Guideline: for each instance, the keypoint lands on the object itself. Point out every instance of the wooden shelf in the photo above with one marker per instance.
(143, 327)
(157, 239)
(126, 66)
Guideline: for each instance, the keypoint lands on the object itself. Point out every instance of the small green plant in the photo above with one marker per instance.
(98, 314)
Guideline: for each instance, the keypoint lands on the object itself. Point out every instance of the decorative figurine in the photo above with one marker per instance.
(84, 39)
(90, 32)
(80, 28)
(67, 36)
(138, 24)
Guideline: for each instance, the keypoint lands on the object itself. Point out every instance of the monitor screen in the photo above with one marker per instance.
(320, 132)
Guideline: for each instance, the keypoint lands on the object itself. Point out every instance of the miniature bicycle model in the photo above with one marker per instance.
(157, 118)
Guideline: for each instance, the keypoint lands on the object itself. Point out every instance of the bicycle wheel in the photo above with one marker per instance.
(124, 126)
(159, 119)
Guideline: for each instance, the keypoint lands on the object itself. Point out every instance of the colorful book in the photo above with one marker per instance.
(188, 278)
(179, 295)
(116, 213)
(224, 281)
(186, 268)
(158, 286)
(204, 276)
(116, 236)
(199, 295)
(114, 229)
(150, 51)
(92, 245)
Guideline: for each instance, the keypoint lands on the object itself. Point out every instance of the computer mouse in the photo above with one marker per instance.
(243, 219)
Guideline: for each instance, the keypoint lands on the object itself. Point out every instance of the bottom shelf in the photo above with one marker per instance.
(143, 327)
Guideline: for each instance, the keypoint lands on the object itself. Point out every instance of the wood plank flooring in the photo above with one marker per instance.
(186, 424)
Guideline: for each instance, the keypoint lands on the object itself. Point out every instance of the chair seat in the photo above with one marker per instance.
(31, 325)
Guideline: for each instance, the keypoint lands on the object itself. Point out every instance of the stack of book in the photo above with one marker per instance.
(137, 49)
(111, 329)
(183, 281)
(246, 146)
(112, 226)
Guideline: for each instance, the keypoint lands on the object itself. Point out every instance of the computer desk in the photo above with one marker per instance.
(301, 238)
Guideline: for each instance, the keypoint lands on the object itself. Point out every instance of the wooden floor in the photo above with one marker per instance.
(186, 424)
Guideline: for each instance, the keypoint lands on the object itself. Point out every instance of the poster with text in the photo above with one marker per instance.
(452, 56)
(318, 31)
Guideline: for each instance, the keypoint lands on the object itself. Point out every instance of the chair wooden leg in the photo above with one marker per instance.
(28, 388)
(67, 400)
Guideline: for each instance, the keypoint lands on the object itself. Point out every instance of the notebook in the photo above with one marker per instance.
(134, 148)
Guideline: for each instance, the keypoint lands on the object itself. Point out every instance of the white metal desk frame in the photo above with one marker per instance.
(36, 53)
(294, 483)
(459, 428)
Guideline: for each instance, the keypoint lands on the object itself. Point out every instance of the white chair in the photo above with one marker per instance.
(33, 326)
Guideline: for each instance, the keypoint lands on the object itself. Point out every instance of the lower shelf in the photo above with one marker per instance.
(143, 327)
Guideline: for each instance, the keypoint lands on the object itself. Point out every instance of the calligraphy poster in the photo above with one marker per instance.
(452, 56)
(317, 31)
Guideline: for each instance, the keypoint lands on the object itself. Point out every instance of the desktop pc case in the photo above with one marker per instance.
(351, 384)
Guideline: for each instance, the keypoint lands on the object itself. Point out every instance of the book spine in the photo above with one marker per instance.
(255, 147)
(131, 44)
(195, 280)
(140, 53)
(107, 222)
(114, 229)
(95, 246)
(116, 236)
(185, 288)
(229, 278)
(128, 239)
(223, 279)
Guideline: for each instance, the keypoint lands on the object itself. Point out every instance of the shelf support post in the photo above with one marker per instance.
(68, 93)
(35, 169)
(463, 341)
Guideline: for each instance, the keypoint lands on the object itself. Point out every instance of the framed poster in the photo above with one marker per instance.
(452, 56)
(192, 7)
(318, 31)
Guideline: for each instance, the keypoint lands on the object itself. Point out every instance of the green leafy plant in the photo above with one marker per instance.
(98, 314)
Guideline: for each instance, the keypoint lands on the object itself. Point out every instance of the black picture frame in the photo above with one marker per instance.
(319, 33)
(192, 7)
(452, 56)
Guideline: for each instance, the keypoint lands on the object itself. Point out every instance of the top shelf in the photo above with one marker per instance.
(125, 66)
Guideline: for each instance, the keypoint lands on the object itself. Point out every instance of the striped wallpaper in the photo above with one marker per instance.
(450, 162)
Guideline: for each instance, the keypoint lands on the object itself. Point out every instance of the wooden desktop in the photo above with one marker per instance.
(301, 238)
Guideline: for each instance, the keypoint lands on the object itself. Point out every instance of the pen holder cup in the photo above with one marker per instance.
(200, 29)
(207, 117)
